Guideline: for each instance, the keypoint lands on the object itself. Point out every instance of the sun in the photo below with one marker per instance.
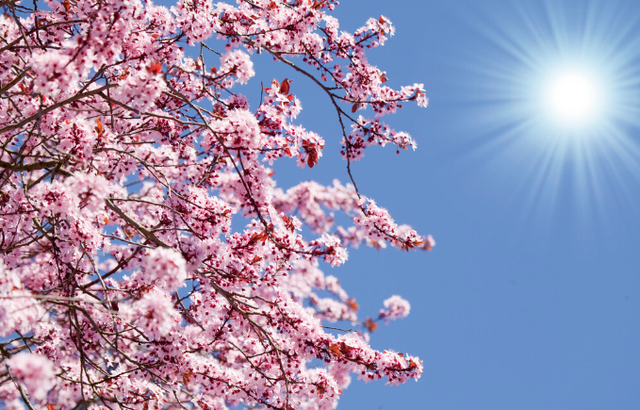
(573, 98)
(552, 94)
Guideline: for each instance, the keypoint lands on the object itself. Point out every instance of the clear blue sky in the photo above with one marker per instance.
(531, 298)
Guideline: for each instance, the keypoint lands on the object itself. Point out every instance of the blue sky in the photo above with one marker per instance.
(531, 298)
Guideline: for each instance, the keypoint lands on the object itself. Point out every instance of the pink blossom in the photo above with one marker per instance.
(54, 72)
(395, 308)
(166, 266)
(93, 189)
(155, 314)
(238, 64)
(18, 310)
(34, 372)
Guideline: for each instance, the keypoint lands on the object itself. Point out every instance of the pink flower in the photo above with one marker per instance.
(18, 310)
(155, 314)
(238, 64)
(33, 371)
(93, 189)
(54, 72)
(167, 266)
(396, 308)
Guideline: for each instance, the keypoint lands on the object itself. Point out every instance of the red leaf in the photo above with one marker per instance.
(412, 365)
(186, 377)
(355, 107)
(155, 68)
(353, 305)
(335, 349)
(370, 324)
(99, 128)
(284, 87)
(312, 160)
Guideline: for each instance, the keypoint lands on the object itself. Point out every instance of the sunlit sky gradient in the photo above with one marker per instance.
(531, 298)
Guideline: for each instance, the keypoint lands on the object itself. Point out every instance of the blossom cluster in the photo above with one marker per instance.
(395, 308)
(148, 259)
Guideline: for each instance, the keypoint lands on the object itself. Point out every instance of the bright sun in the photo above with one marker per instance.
(573, 98)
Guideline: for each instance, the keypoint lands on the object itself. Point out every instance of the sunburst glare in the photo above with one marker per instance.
(555, 101)
(573, 98)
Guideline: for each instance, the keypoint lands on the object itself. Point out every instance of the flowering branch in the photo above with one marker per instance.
(147, 257)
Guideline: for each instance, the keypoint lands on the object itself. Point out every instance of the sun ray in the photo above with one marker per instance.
(557, 94)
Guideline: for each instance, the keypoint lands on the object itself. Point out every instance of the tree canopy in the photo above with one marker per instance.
(127, 152)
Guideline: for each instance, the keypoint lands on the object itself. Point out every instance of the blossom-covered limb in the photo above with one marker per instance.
(149, 259)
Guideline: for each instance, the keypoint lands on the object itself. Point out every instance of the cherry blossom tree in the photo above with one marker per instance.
(147, 258)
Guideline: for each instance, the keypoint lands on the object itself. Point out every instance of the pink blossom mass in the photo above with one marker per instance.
(148, 258)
